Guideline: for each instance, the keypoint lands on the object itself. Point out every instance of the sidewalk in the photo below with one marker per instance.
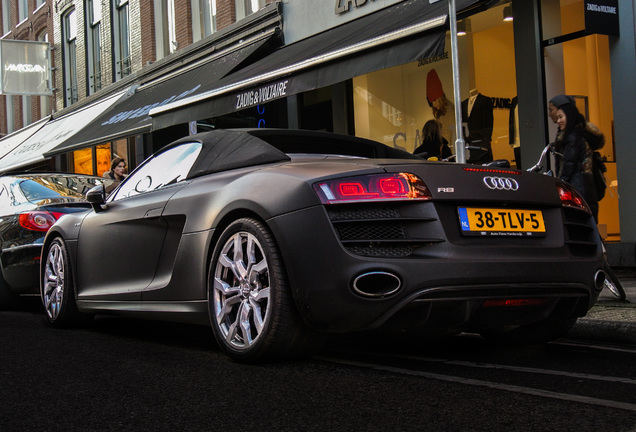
(612, 320)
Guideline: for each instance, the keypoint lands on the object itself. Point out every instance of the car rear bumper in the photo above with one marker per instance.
(21, 267)
(446, 286)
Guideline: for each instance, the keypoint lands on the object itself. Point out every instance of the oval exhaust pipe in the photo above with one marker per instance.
(599, 280)
(377, 284)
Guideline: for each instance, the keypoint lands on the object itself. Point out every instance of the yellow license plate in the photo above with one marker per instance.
(503, 222)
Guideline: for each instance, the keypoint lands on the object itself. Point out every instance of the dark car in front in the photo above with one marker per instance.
(30, 203)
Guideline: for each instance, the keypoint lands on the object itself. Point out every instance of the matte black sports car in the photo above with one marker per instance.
(276, 236)
(30, 204)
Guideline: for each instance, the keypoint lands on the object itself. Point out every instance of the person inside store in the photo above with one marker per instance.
(117, 169)
(575, 166)
(434, 145)
(117, 172)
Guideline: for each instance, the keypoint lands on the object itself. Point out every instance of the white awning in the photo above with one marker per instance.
(53, 133)
(10, 142)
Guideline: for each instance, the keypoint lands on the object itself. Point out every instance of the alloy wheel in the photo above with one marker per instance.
(53, 283)
(241, 291)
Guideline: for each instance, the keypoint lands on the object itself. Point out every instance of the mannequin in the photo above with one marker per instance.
(477, 112)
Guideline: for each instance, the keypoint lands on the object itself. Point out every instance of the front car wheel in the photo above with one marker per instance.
(57, 289)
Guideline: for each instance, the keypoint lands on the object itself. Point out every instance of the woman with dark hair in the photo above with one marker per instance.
(576, 163)
(117, 169)
(433, 144)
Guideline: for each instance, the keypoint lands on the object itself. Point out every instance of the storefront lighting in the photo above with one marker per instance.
(507, 13)
(461, 28)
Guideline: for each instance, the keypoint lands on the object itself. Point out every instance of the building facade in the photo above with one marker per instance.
(375, 69)
(24, 20)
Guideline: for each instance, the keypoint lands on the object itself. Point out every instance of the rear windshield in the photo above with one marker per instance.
(40, 188)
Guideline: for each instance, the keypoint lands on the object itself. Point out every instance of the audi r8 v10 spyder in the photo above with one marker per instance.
(29, 205)
(276, 237)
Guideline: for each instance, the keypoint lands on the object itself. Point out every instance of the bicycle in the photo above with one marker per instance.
(612, 284)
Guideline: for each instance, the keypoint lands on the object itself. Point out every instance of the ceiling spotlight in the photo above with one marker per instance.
(507, 13)
(461, 28)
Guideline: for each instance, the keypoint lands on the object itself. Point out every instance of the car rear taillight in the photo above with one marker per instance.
(571, 198)
(374, 187)
(39, 220)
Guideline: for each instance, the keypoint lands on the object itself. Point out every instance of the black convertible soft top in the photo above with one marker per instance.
(226, 149)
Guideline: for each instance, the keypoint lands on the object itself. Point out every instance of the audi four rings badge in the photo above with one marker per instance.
(501, 183)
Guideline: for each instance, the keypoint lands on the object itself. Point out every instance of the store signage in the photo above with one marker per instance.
(145, 109)
(601, 17)
(343, 6)
(26, 67)
(261, 95)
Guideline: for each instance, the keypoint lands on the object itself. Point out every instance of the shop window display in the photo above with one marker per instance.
(392, 105)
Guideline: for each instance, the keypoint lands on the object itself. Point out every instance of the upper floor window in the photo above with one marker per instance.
(69, 35)
(121, 39)
(203, 18)
(247, 7)
(6, 16)
(23, 10)
(39, 3)
(165, 27)
(93, 45)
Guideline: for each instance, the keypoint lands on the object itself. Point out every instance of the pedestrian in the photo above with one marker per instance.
(575, 166)
(117, 169)
(434, 145)
(117, 173)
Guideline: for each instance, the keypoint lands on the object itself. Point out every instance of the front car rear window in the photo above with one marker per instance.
(41, 188)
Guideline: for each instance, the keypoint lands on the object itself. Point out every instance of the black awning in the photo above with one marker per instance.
(405, 32)
(129, 116)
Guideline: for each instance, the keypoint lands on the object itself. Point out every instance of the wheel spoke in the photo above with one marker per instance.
(257, 314)
(246, 328)
(226, 309)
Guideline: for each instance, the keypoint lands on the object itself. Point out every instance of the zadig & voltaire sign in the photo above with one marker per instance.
(343, 6)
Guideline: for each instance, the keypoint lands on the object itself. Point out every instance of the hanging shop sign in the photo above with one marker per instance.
(25, 68)
(601, 17)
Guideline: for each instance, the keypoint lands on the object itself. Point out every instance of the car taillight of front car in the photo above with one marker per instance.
(39, 220)
(373, 187)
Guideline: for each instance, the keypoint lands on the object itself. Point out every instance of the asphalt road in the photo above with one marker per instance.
(128, 375)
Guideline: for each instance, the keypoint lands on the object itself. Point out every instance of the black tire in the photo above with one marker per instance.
(57, 289)
(536, 333)
(8, 299)
(251, 309)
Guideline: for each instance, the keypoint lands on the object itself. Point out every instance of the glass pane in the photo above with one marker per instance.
(71, 26)
(103, 159)
(83, 161)
(165, 169)
(562, 17)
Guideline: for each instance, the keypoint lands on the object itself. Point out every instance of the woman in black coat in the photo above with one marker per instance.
(576, 164)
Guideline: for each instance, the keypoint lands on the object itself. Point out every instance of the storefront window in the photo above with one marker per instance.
(83, 161)
(392, 105)
(578, 65)
(103, 158)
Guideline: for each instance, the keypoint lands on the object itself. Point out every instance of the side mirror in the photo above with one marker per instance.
(96, 196)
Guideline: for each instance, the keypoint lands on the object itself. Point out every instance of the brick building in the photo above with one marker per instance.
(99, 47)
